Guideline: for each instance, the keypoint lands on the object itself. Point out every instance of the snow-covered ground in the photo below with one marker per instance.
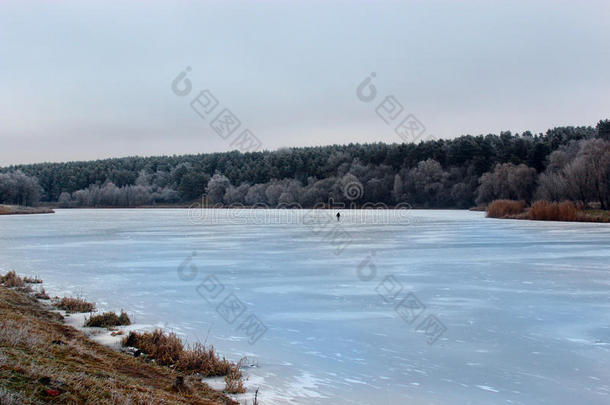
(520, 310)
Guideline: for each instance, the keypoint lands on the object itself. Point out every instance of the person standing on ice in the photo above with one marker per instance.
(338, 216)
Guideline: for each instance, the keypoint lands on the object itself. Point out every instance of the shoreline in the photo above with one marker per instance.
(583, 216)
(253, 207)
(542, 210)
(21, 210)
(580, 221)
(110, 338)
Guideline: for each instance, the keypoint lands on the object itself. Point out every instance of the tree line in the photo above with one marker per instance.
(578, 171)
(563, 163)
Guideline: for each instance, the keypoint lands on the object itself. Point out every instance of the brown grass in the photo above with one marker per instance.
(11, 279)
(69, 304)
(552, 211)
(16, 209)
(167, 349)
(205, 361)
(545, 211)
(10, 398)
(597, 215)
(568, 211)
(108, 320)
(505, 208)
(26, 289)
(234, 381)
(42, 360)
(42, 295)
(13, 333)
(32, 280)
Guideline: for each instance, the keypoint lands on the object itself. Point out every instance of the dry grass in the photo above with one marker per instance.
(565, 211)
(45, 361)
(42, 295)
(205, 361)
(69, 304)
(505, 208)
(16, 209)
(597, 215)
(545, 211)
(568, 211)
(108, 320)
(32, 280)
(552, 211)
(234, 381)
(10, 398)
(11, 280)
(13, 333)
(167, 349)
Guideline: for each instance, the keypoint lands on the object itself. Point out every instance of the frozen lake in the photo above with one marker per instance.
(387, 307)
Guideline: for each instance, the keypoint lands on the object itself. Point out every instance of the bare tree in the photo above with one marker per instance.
(552, 187)
(522, 181)
(579, 171)
(507, 181)
(596, 156)
(579, 180)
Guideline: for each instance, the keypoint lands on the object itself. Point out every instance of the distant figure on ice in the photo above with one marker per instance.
(338, 216)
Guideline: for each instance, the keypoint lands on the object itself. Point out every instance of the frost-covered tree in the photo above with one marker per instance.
(18, 188)
(217, 187)
(426, 182)
(273, 193)
(256, 195)
(398, 193)
(64, 200)
(193, 185)
(236, 195)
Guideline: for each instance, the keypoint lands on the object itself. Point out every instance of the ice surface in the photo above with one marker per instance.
(526, 305)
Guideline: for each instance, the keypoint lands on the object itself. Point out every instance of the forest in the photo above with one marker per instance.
(564, 163)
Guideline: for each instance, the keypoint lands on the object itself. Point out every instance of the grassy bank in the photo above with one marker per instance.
(545, 211)
(43, 360)
(19, 210)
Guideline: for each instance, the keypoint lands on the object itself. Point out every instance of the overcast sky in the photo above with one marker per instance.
(85, 80)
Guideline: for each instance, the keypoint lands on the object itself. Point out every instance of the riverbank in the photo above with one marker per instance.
(545, 211)
(20, 210)
(46, 355)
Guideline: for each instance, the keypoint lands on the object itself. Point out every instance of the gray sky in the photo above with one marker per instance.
(86, 80)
